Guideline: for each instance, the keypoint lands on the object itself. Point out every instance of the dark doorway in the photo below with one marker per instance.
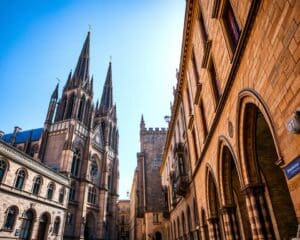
(89, 229)
(43, 227)
(158, 236)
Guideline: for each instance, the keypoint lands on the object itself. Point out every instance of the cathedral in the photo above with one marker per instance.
(75, 154)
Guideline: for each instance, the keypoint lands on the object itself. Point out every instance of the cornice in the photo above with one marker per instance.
(21, 158)
(190, 12)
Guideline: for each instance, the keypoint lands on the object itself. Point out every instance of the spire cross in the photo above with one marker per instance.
(110, 57)
(58, 80)
(90, 27)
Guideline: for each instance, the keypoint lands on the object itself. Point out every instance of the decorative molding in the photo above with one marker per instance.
(13, 154)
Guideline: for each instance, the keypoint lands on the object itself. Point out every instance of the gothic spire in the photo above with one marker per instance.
(55, 92)
(142, 123)
(81, 73)
(107, 96)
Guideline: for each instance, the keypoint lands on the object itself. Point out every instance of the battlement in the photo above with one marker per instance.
(154, 130)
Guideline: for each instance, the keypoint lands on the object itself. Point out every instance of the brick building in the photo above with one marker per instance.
(148, 195)
(238, 95)
(80, 141)
(123, 219)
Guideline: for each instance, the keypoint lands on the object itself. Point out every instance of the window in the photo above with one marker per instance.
(231, 26)
(72, 193)
(69, 219)
(70, 106)
(81, 108)
(156, 162)
(155, 218)
(203, 119)
(20, 179)
(189, 99)
(61, 195)
(75, 162)
(214, 81)
(196, 73)
(194, 138)
(56, 226)
(94, 168)
(2, 169)
(50, 191)
(203, 31)
(36, 185)
(92, 195)
(11, 214)
(181, 164)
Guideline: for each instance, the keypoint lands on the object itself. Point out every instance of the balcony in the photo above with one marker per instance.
(182, 183)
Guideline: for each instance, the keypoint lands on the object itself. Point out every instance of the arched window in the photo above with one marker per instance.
(72, 193)
(87, 113)
(20, 179)
(3, 167)
(81, 108)
(92, 195)
(94, 168)
(70, 106)
(36, 185)
(50, 191)
(61, 195)
(56, 226)
(11, 214)
(76, 162)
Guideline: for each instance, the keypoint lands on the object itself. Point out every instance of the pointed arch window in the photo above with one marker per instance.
(76, 162)
(70, 106)
(10, 218)
(50, 191)
(61, 195)
(56, 226)
(81, 108)
(36, 185)
(72, 193)
(3, 167)
(20, 179)
(87, 114)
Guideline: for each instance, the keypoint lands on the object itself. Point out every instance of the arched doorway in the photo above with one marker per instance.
(158, 236)
(43, 227)
(214, 214)
(89, 228)
(27, 225)
(267, 192)
(234, 209)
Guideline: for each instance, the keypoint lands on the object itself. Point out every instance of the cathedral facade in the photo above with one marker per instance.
(80, 142)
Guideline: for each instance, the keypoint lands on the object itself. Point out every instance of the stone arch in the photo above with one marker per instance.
(28, 217)
(158, 235)
(266, 190)
(90, 226)
(234, 209)
(213, 205)
(44, 223)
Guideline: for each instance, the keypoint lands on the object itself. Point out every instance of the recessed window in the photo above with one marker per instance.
(20, 179)
(72, 193)
(203, 31)
(61, 195)
(76, 162)
(203, 119)
(50, 191)
(231, 25)
(2, 169)
(36, 185)
(92, 195)
(11, 214)
(214, 81)
(195, 69)
(56, 226)
(155, 218)
(94, 168)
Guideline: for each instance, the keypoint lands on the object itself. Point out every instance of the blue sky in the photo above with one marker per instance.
(41, 41)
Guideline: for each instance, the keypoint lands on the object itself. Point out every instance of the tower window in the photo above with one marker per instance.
(70, 106)
(81, 109)
(94, 168)
(92, 195)
(232, 28)
(72, 193)
(76, 162)
(214, 81)
(20, 179)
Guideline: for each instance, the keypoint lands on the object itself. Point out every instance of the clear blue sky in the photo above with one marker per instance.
(41, 40)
